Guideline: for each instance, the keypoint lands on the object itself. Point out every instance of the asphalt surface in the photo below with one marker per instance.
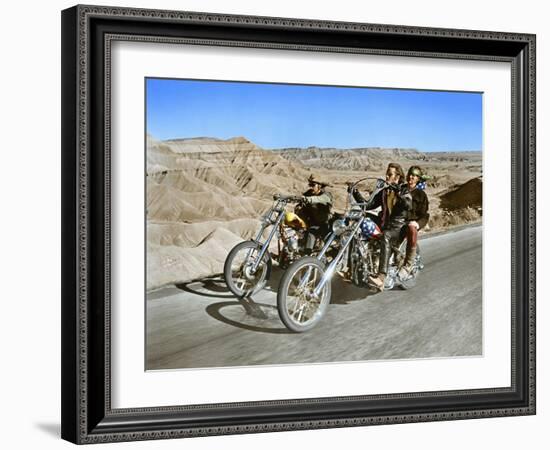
(201, 324)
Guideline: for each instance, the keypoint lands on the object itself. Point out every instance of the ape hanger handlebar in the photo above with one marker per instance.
(352, 187)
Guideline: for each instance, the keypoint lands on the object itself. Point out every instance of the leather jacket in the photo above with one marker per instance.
(389, 217)
(419, 209)
(317, 210)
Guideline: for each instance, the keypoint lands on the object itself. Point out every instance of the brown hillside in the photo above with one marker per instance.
(467, 195)
(204, 195)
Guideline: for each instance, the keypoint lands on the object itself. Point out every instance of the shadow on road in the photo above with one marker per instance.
(274, 279)
(255, 317)
(207, 287)
(264, 318)
(344, 292)
(246, 313)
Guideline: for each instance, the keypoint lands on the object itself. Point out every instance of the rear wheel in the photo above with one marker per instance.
(240, 276)
(300, 309)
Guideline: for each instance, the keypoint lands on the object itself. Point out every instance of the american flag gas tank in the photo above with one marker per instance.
(370, 230)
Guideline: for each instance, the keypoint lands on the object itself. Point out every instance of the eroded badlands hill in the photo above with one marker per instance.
(204, 195)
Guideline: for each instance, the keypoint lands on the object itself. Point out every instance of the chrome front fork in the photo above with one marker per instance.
(265, 245)
(332, 266)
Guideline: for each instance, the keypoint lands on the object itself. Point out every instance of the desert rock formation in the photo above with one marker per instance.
(204, 195)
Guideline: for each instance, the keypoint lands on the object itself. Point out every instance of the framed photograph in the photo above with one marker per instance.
(282, 224)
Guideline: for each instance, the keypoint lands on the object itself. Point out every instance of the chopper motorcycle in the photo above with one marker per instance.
(305, 289)
(248, 265)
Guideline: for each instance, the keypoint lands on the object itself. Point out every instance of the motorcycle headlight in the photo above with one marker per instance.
(339, 226)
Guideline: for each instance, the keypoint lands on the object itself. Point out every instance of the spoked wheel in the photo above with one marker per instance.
(299, 308)
(410, 281)
(240, 276)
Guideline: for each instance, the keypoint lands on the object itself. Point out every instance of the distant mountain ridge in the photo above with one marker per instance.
(205, 194)
(367, 158)
(373, 158)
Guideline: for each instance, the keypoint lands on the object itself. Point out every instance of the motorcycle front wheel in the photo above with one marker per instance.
(299, 308)
(238, 271)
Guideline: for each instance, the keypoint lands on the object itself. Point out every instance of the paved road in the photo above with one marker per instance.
(201, 324)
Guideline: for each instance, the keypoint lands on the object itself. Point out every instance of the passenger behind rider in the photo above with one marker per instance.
(418, 216)
(396, 201)
(315, 209)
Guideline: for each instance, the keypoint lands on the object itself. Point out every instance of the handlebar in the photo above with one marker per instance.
(380, 184)
(351, 185)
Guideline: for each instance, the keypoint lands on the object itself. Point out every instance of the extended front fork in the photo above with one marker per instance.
(334, 263)
(332, 266)
(265, 245)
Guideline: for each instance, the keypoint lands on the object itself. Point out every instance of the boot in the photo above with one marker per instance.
(378, 281)
(408, 264)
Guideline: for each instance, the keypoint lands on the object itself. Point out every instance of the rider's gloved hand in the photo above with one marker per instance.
(305, 200)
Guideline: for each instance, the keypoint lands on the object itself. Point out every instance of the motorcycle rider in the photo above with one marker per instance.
(315, 209)
(396, 202)
(418, 216)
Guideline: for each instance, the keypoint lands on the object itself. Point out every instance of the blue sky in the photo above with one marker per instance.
(282, 115)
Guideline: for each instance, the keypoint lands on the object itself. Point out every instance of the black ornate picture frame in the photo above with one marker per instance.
(87, 413)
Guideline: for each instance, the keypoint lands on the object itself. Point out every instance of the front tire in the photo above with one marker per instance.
(237, 269)
(299, 309)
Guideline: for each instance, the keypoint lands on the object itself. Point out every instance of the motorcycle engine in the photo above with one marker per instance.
(292, 240)
(289, 252)
(358, 262)
(364, 261)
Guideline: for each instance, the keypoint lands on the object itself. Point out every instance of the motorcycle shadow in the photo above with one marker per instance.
(252, 315)
(275, 278)
(246, 314)
(213, 286)
(345, 292)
